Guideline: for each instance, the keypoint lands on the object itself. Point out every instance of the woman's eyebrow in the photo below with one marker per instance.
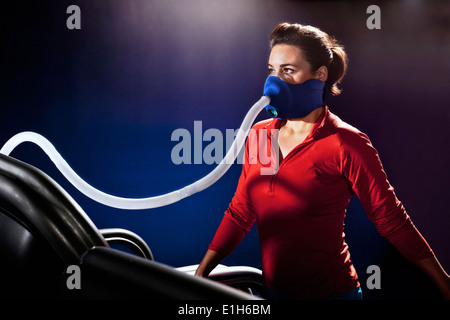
(287, 65)
(282, 65)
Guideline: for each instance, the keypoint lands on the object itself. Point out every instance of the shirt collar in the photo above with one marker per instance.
(320, 122)
(318, 125)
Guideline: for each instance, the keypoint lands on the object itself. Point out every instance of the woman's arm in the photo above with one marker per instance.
(364, 170)
(233, 227)
(434, 270)
(227, 238)
(210, 261)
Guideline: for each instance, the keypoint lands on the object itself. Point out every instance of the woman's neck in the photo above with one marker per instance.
(295, 131)
(302, 125)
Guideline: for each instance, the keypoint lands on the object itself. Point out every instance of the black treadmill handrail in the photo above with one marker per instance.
(36, 200)
(113, 274)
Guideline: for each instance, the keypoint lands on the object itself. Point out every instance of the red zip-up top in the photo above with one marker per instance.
(299, 209)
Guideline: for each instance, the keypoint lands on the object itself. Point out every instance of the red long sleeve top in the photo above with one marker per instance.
(299, 209)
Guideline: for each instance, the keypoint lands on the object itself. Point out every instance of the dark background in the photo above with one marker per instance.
(110, 95)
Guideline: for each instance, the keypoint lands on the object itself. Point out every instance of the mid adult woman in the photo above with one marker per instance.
(300, 208)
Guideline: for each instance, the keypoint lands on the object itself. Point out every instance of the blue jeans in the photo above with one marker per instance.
(354, 294)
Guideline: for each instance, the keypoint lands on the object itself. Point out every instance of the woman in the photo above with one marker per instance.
(300, 209)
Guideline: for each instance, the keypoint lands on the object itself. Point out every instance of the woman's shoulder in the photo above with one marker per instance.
(354, 144)
(348, 134)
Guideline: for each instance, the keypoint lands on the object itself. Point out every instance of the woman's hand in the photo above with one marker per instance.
(434, 270)
(446, 289)
(209, 262)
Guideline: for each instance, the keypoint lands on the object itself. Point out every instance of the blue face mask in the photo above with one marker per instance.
(288, 101)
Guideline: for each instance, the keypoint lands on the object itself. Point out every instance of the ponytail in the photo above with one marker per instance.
(336, 68)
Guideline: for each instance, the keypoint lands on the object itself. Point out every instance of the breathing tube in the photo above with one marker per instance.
(273, 89)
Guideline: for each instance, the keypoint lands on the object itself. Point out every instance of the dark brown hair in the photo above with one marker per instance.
(318, 48)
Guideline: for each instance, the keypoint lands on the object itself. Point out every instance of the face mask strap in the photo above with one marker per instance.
(326, 93)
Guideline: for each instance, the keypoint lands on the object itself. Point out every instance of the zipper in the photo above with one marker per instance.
(272, 178)
(275, 148)
(292, 153)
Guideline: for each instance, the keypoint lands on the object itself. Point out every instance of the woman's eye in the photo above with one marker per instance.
(271, 71)
(288, 70)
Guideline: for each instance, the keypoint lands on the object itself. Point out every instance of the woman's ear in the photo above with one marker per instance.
(321, 74)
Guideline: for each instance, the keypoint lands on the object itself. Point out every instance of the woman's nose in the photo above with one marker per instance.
(281, 75)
